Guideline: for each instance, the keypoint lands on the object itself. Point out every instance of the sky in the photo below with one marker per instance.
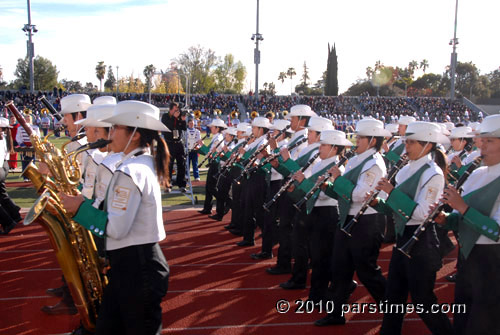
(75, 35)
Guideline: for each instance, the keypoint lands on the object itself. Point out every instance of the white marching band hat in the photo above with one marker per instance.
(280, 124)
(392, 127)
(96, 113)
(490, 127)
(75, 103)
(426, 132)
(461, 132)
(371, 127)
(4, 123)
(217, 123)
(334, 137)
(406, 119)
(319, 124)
(138, 114)
(102, 108)
(230, 131)
(262, 122)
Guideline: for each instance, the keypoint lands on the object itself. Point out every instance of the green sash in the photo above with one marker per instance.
(344, 202)
(482, 200)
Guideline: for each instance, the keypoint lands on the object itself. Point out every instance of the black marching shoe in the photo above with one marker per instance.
(291, 285)
(55, 292)
(204, 211)
(216, 217)
(352, 288)
(229, 227)
(236, 232)
(245, 244)
(262, 255)
(330, 320)
(277, 270)
(8, 228)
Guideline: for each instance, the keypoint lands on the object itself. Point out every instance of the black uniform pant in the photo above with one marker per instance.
(9, 211)
(270, 231)
(477, 287)
(210, 191)
(223, 199)
(178, 155)
(358, 253)
(300, 248)
(236, 207)
(321, 225)
(415, 275)
(286, 214)
(138, 280)
(253, 196)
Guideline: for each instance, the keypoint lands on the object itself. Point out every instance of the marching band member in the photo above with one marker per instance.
(461, 139)
(23, 139)
(397, 148)
(243, 131)
(193, 138)
(299, 119)
(9, 211)
(418, 185)
(360, 252)
(132, 222)
(321, 211)
(270, 229)
(216, 127)
(101, 106)
(255, 187)
(224, 183)
(300, 241)
(476, 217)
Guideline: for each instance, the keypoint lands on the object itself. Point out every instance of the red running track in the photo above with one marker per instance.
(215, 287)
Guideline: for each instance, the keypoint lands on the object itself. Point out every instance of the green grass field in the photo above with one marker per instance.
(26, 196)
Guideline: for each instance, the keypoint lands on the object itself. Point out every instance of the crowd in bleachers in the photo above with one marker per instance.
(346, 109)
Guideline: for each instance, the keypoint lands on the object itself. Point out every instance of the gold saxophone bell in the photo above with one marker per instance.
(197, 114)
(234, 114)
(254, 114)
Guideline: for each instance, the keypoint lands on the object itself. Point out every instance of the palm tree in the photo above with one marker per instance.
(282, 77)
(290, 73)
(148, 72)
(412, 66)
(100, 71)
(424, 64)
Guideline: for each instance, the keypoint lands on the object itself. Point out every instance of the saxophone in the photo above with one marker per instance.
(74, 245)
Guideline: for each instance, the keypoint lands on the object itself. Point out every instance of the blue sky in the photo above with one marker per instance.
(75, 35)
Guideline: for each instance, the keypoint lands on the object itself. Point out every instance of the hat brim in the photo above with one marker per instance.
(344, 142)
(426, 137)
(216, 125)
(495, 133)
(136, 120)
(85, 106)
(93, 123)
(374, 132)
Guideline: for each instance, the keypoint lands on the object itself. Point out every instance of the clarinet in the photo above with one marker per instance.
(208, 157)
(253, 157)
(289, 182)
(275, 155)
(325, 176)
(408, 246)
(467, 148)
(233, 159)
(347, 229)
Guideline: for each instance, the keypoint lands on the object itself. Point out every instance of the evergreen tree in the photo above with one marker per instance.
(332, 84)
(110, 82)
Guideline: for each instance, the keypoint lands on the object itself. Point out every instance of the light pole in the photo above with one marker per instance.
(256, 54)
(30, 29)
(454, 43)
(117, 82)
